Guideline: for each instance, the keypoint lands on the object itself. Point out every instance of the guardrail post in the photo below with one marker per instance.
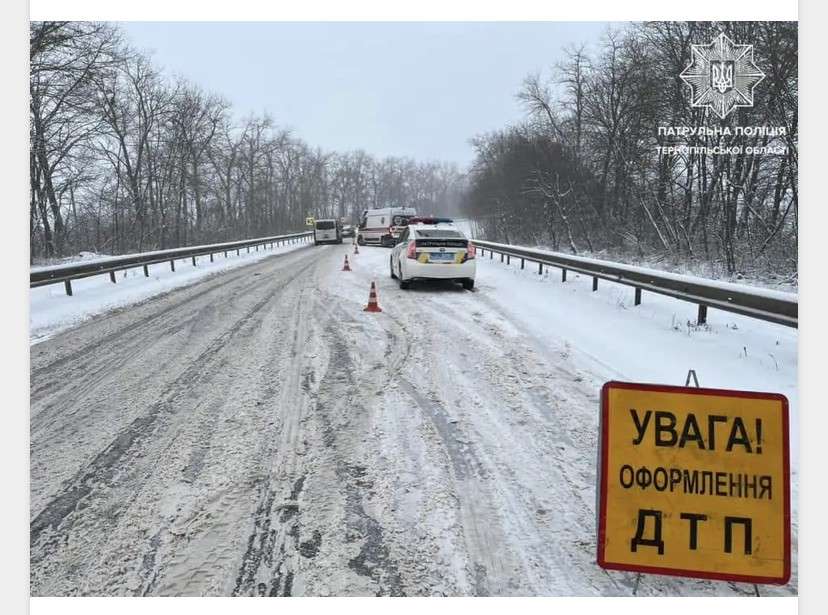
(501, 257)
(248, 249)
(225, 254)
(237, 251)
(522, 262)
(211, 257)
(194, 261)
(257, 247)
(563, 275)
(508, 260)
(67, 284)
(540, 268)
(146, 271)
(491, 254)
(701, 320)
(637, 296)
(112, 276)
(594, 284)
(172, 264)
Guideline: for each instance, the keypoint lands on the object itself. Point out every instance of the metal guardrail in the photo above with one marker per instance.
(43, 276)
(768, 305)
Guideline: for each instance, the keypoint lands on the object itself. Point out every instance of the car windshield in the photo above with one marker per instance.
(324, 225)
(438, 234)
(400, 220)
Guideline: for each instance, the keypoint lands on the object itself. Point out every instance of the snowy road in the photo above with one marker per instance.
(257, 433)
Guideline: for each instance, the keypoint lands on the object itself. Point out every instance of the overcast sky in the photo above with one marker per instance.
(420, 90)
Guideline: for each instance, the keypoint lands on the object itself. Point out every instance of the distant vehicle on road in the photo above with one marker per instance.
(348, 231)
(327, 231)
(433, 248)
(383, 226)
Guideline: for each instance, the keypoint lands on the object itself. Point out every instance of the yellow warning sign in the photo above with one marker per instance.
(694, 482)
(310, 221)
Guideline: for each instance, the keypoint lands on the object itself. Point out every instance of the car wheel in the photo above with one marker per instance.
(468, 283)
(391, 268)
(404, 284)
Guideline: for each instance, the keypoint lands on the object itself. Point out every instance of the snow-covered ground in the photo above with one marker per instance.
(259, 433)
(51, 310)
(83, 256)
(657, 341)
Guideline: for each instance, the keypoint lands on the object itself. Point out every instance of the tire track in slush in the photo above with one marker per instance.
(80, 360)
(103, 468)
(137, 327)
(339, 389)
(86, 396)
(467, 467)
(267, 538)
(487, 544)
(469, 475)
(272, 551)
(151, 569)
(261, 542)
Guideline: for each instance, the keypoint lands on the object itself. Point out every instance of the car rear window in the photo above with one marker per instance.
(438, 234)
(324, 225)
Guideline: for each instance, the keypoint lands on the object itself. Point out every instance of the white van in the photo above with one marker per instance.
(327, 231)
(382, 227)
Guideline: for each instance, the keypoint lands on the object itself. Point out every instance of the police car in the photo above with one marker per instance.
(433, 248)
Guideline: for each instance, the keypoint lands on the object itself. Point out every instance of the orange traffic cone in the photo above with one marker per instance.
(372, 306)
(346, 266)
(356, 249)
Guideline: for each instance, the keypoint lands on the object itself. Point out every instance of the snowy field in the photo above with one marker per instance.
(259, 434)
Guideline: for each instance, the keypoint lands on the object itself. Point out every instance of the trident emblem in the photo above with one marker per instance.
(721, 76)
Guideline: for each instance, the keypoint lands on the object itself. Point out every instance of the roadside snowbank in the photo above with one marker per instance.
(656, 341)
